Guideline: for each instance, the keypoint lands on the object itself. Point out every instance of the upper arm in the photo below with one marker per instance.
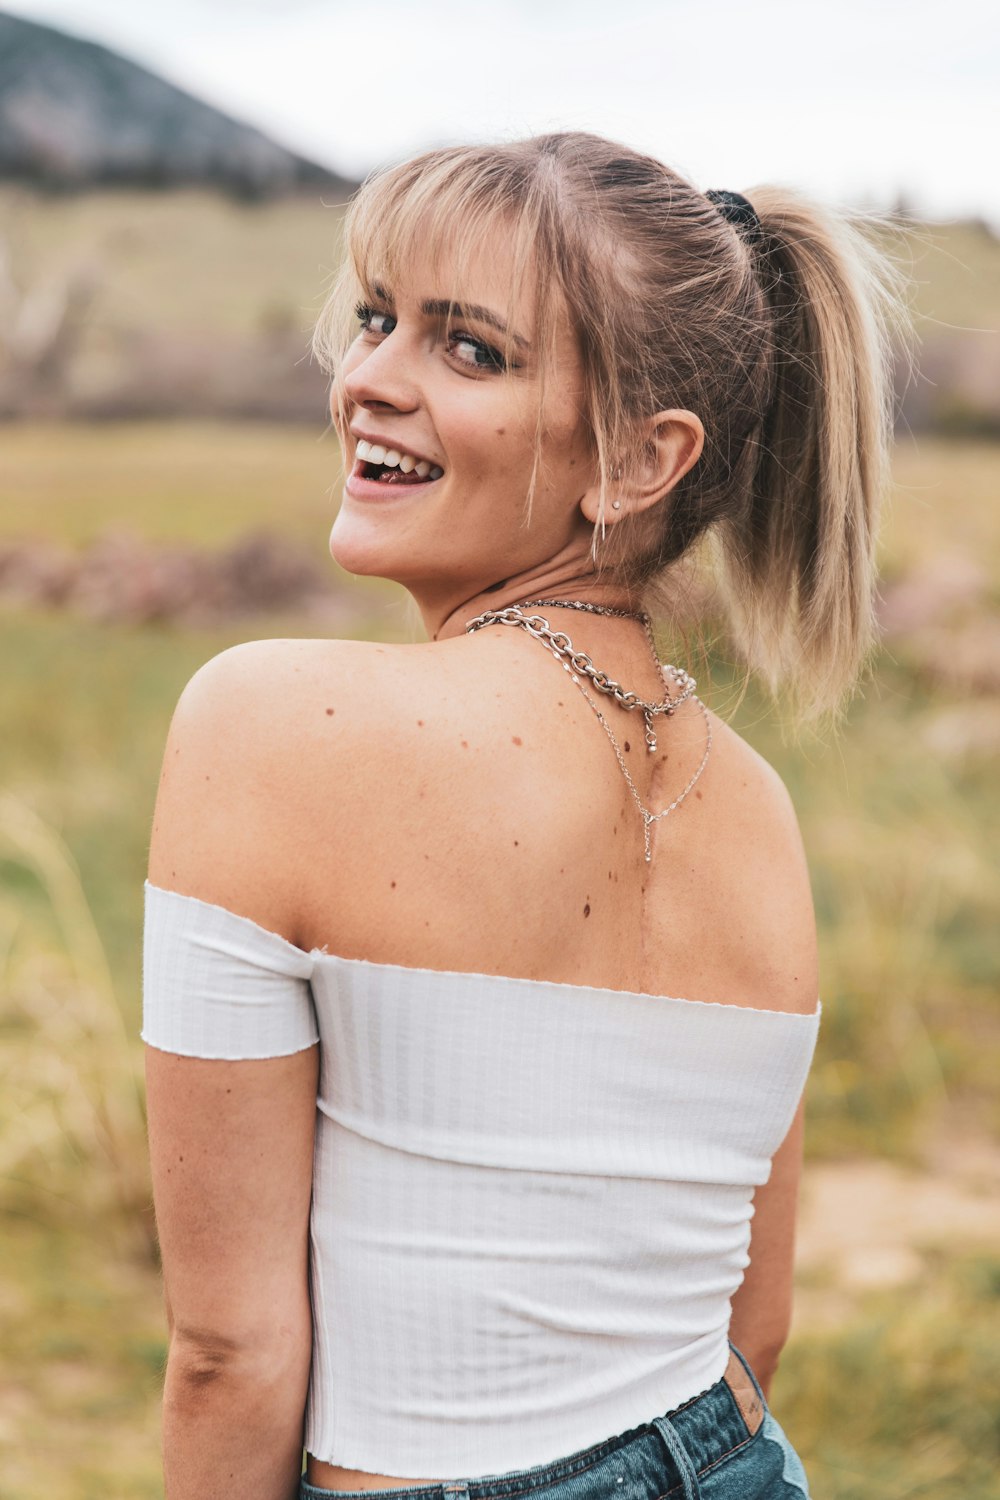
(231, 1155)
(231, 1141)
(778, 938)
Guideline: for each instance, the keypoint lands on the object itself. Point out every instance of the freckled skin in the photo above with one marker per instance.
(516, 739)
(329, 710)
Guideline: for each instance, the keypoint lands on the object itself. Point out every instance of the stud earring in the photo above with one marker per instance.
(616, 505)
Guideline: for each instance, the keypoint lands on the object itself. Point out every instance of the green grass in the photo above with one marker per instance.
(899, 1403)
(83, 1350)
(184, 482)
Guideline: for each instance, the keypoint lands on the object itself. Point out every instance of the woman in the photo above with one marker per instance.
(557, 1038)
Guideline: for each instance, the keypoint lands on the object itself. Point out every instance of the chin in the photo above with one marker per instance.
(369, 550)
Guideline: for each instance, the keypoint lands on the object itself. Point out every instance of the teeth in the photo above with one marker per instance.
(395, 458)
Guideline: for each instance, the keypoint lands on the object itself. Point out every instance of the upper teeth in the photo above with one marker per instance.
(391, 458)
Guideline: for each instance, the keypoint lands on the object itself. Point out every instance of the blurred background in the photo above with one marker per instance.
(172, 178)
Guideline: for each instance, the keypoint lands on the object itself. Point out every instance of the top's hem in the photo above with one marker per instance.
(480, 1465)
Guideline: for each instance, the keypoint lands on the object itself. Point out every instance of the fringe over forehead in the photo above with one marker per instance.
(449, 206)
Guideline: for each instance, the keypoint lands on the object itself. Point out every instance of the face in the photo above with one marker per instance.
(433, 390)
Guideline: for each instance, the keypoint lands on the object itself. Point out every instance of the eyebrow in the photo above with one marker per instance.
(441, 307)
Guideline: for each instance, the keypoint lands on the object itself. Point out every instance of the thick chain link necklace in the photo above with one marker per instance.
(578, 663)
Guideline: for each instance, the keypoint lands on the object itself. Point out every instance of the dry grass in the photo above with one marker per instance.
(71, 1110)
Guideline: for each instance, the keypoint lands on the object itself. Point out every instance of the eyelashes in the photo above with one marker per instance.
(365, 313)
(492, 359)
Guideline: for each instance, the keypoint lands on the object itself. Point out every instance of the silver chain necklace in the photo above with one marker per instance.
(578, 662)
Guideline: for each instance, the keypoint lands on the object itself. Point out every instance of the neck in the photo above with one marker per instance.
(452, 621)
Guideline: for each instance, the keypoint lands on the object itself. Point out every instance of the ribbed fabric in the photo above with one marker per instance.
(531, 1200)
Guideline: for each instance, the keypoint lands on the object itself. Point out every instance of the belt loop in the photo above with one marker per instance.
(680, 1456)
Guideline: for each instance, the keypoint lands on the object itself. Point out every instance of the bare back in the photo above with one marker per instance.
(457, 805)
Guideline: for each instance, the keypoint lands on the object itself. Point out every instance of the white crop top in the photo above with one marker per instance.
(531, 1200)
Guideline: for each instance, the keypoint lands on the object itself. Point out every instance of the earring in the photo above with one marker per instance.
(616, 505)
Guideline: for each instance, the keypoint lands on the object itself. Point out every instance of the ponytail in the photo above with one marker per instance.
(797, 561)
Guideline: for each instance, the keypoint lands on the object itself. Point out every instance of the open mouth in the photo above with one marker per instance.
(393, 466)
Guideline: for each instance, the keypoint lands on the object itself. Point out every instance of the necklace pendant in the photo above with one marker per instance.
(650, 731)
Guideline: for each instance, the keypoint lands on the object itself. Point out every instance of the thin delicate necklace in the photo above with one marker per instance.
(577, 662)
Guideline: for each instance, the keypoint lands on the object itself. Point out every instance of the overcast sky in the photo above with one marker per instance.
(858, 101)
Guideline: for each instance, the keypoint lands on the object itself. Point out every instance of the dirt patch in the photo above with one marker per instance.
(875, 1225)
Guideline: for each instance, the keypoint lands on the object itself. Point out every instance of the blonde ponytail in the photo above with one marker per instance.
(797, 561)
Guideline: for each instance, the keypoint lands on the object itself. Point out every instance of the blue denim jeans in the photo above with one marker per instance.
(723, 1445)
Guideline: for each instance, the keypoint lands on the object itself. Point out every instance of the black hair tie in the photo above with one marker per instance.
(738, 211)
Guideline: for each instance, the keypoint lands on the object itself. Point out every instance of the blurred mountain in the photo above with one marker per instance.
(77, 115)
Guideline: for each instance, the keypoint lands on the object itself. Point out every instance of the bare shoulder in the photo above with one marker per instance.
(236, 777)
(756, 789)
(761, 873)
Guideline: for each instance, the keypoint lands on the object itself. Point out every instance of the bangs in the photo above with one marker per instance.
(445, 208)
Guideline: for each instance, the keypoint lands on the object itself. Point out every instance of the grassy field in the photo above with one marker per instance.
(900, 818)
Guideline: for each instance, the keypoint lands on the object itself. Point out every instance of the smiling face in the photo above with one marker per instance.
(458, 387)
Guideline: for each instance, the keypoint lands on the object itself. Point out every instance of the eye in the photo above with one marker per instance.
(476, 353)
(372, 321)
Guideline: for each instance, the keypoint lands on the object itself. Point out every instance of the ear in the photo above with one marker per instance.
(670, 445)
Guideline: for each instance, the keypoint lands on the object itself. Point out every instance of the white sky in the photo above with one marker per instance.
(858, 101)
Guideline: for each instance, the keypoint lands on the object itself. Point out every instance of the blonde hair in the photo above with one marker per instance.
(780, 341)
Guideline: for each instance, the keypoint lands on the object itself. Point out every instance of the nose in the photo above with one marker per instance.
(381, 378)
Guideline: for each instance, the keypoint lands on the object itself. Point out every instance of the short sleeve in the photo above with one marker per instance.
(217, 985)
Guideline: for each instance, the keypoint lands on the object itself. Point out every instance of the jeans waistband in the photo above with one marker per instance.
(709, 1427)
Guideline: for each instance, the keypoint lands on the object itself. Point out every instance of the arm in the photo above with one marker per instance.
(779, 942)
(230, 1141)
(762, 1306)
(231, 1152)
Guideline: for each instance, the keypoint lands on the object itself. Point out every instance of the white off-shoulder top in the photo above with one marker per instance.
(531, 1200)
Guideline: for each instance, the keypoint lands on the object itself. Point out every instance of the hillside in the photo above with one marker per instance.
(74, 114)
(141, 303)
